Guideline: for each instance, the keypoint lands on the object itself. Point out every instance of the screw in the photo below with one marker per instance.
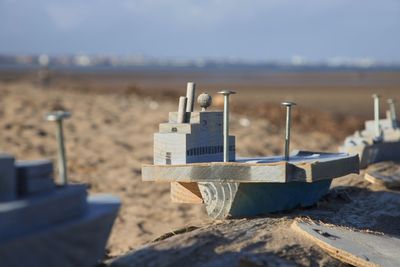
(288, 106)
(376, 98)
(393, 115)
(58, 117)
(226, 94)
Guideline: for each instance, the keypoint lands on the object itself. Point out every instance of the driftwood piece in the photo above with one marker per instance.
(358, 248)
(325, 167)
(384, 173)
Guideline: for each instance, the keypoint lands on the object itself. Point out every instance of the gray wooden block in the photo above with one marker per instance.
(33, 185)
(34, 168)
(8, 183)
(358, 248)
(34, 176)
(67, 243)
(38, 212)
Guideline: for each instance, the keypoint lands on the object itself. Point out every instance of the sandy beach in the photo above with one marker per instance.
(111, 131)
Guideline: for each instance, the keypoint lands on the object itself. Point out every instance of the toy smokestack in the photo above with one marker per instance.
(190, 93)
(182, 109)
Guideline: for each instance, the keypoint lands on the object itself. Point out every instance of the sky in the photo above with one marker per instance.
(236, 29)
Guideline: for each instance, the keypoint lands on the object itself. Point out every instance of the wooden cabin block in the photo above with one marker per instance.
(34, 176)
(186, 193)
(8, 182)
(34, 168)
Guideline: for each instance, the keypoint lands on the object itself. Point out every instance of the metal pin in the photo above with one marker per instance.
(393, 115)
(190, 92)
(288, 106)
(377, 127)
(58, 117)
(226, 94)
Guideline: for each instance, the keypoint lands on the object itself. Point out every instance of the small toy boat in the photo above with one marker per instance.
(42, 224)
(195, 153)
(379, 141)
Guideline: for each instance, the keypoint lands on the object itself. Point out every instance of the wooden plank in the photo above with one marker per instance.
(384, 173)
(186, 193)
(359, 248)
(314, 169)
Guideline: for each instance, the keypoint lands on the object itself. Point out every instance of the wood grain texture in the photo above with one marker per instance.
(354, 247)
(385, 151)
(186, 193)
(271, 172)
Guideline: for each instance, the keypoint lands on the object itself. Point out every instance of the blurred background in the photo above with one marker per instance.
(120, 66)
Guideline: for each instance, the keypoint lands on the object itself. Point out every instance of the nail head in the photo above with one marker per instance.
(288, 104)
(58, 115)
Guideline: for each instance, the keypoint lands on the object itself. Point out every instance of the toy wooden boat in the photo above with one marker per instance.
(188, 153)
(379, 141)
(42, 224)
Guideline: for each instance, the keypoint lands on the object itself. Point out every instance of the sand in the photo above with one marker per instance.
(111, 134)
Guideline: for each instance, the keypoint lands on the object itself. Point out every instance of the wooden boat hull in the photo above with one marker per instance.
(369, 154)
(75, 242)
(235, 200)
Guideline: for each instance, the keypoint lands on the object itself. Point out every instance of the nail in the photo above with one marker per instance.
(376, 98)
(58, 117)
(226, 94)
(288, 106)
(393, 115)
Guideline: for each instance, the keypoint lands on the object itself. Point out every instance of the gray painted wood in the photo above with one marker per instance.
(77, 242)
(327, 166)
(8, 182)
(351, 246)
(34, 168)
(38, 212)
(201, 140)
